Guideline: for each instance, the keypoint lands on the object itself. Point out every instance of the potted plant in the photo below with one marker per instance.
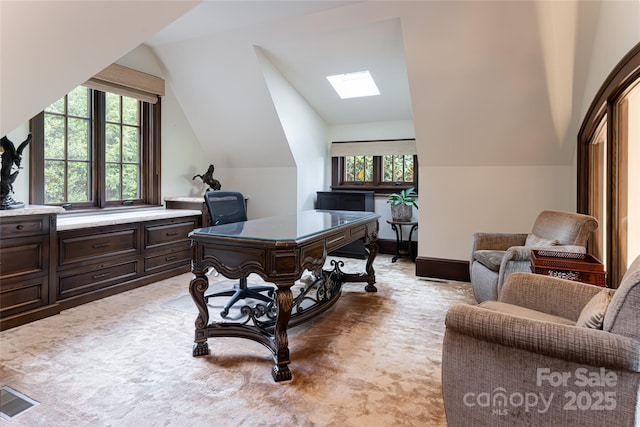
(402, 204)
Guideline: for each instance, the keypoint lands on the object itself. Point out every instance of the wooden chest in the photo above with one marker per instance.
(580, 267)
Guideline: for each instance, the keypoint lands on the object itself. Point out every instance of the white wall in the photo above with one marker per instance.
(455, 202)
(306, 133)
(271, 191)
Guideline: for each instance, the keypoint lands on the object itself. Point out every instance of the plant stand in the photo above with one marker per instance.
(404, 249)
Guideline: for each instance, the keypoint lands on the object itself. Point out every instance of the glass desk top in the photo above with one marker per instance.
(285, 227)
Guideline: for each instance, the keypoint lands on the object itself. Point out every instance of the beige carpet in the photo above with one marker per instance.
(372, 360)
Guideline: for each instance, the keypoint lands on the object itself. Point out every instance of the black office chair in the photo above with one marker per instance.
(228, 207)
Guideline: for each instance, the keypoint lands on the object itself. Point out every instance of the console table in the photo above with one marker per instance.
(278, 249)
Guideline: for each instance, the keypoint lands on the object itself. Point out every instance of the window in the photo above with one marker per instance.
(608, 165)
(93, 149)
(354, 85)
(381, 166)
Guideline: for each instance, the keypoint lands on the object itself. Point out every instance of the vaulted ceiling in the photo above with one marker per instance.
(471, 75)
(483, 82)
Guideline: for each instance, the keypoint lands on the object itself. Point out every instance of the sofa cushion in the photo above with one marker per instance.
(527, 313)
(622, 315)
(536, 241)
(488, 258)
(592, 315)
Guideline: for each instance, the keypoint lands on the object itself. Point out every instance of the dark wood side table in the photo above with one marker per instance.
(580, 267)
(404, 249)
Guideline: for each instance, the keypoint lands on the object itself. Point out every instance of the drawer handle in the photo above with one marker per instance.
(100, 245)
(100, 276)
(19, 227)
(334, 240)
(172, 233)
(170, 258)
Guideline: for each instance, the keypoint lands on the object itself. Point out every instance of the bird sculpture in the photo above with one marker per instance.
(10, 157)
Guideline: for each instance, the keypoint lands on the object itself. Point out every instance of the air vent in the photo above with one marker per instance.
(13, 403)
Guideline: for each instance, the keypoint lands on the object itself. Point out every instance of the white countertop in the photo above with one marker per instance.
(31, 210)
(185, 199)
(76, 221)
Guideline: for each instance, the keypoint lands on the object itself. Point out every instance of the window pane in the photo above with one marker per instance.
(112, 107)
(397, 168)
(359, 168)
(78, 147)
(130, 144)
(349, 169)
(53, 137)
(112, 148)
(130, 182)
(78, 102)
(78, 181)
(56, 107)
(129, 111)
(112, 177)
(71, 147)
(53, 181)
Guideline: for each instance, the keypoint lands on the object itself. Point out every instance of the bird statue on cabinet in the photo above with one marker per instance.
(10, 157)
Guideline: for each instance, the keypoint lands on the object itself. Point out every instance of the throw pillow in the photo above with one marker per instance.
(592, 315)
(537, 241)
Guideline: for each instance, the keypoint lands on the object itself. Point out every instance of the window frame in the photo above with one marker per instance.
(378, 186)
(150, 144)
(602, 111)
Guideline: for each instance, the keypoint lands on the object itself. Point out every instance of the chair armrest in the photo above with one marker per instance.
(495, 241)
(551, 295)
(579, 345)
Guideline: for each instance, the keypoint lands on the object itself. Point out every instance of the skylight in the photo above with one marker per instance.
(354, 85)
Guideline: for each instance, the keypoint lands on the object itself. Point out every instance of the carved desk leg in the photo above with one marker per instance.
(372, 248)
(284, 299)
(197, 288)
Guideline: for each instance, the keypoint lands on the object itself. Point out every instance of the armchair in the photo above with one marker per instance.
(530, 358)
(495, 256)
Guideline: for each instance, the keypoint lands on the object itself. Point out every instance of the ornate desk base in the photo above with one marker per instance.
(267, 322)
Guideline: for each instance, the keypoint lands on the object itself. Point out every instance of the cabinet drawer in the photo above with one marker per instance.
(75, 283)
(21, 295)
(24, 256)
(98, 245)
(163, 234)
(24, 226)
(180, 254)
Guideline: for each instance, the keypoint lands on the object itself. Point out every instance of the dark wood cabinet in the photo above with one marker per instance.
(44, 270)
(100, 261)
(26, 274)
(347, 201)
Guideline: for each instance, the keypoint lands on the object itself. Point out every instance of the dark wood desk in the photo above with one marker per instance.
(278, 249)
